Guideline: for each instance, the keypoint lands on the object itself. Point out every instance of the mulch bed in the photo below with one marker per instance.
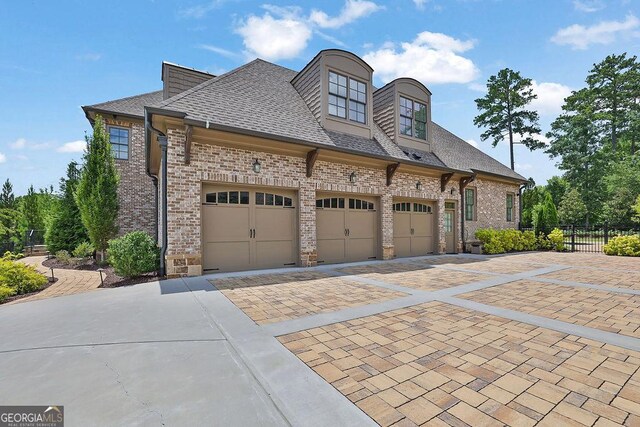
(111, 279)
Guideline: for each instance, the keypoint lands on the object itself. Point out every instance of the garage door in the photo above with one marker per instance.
(346, 228)
(246, 229)
(413, 228)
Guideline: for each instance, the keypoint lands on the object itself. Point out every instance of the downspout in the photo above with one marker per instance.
(162, 141)
(464, 240)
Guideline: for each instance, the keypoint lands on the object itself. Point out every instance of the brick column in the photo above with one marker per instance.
(307, 218)
(386, 215)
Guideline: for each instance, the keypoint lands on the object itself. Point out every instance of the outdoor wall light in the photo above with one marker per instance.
(419, 186)
(353, 178)
(257, 167)
(453, 191)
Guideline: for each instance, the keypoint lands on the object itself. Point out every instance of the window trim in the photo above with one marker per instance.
(348, 98)
(413, 118)
(513, 205)
(128, 129)
(474, 210)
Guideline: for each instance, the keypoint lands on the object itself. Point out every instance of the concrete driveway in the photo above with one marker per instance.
(451, 340)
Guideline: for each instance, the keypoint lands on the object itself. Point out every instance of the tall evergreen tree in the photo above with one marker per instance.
(66, 230)
(30, 209)
(503, 111)
(97, 192)
(7, 199)
(614, 86)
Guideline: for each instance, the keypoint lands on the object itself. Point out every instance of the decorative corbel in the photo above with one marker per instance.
(312, 156)
(444, 180)
(466, 181)
(391, 170)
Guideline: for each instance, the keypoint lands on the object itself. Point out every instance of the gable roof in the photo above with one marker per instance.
(132, 106)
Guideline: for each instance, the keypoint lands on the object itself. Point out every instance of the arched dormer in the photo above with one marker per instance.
(337, 86)
(402, 108)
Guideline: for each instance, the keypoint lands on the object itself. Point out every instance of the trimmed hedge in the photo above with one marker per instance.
(511, 240)
(623, 246)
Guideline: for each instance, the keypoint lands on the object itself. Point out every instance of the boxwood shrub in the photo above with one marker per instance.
(511, 240)
(133, 254)
(17, 278)
(623, 246)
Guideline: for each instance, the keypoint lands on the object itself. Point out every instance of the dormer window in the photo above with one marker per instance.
(355, 97)
(413, 118)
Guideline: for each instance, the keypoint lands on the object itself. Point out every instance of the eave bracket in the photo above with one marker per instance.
(466, 181)
(444, 180)
(391, 170)
(312, 156)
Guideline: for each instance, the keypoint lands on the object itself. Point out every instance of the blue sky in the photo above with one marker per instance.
(57, 56)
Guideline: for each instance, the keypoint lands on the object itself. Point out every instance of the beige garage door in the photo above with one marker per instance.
(246, 229)
(413, 228)
(346, 228)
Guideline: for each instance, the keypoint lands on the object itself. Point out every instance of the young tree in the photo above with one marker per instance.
(545, 216)
(572, 209)
(30, 209)
(614, 85)
(503, 111)
(557, 187)
(7, 199)
(531, 197)
(97, 192)
(66, 230)
(618, 210)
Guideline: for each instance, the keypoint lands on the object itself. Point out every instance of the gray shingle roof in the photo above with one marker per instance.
(131, 105)
(425, 157)
(258, 97)
(458, 154)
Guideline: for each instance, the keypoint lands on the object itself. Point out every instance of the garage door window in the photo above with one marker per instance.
(360, 204)
(330, 203)
(402, 207)
(270, 199)
(228, 197)
(420, 207)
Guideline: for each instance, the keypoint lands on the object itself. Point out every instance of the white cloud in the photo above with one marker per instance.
(19, 144)
(477, 87)
(351, 11)
(524, 166)
(219, 50)
(588, 6)
(3, 158)
(284, 32)
(420, 3)
(274, 38)
(72, 147)
(431, 58)
(550, 97)
(605, 32)
(200, 11)
(472, 142)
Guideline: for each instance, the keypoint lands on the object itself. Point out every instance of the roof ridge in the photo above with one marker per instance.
(204, 84)
(126, 97)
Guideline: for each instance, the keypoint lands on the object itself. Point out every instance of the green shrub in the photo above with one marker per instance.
(508, 240)
(556, 240)
(623, 246)
(10, 256)
(17, 278)
(63, 256)
(83, 250)
(133, 254)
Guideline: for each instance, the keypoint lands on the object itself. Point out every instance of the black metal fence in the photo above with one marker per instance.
(33, 238)
(592, 238)
(5, 246)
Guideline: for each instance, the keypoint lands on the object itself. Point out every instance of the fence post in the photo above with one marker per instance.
(573, 238)
(606, 233)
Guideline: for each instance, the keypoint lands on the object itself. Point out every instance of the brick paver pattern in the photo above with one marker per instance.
(277, 297)
(416, 277)
(437, 364)
(602, 310)
(629, 280)
(69, 281)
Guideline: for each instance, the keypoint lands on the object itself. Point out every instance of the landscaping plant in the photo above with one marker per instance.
(97, 192)
(507, 240)
(133, 254)
(83, 250)
(17, 278)
(623, 246)
(63, 256)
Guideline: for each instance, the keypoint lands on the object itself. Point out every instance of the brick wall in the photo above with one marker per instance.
(212, 163)
(491, 206)
(136, 192)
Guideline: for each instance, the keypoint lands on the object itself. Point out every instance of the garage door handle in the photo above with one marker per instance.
(348, 232)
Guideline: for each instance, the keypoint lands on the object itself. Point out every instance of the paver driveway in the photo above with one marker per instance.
(524, 339)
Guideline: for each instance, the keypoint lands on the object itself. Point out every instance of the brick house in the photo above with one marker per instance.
(266, 167)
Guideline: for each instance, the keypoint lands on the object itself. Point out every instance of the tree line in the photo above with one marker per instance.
(594, 142)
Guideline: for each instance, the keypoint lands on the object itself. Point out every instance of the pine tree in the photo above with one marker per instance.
(7, 199)
(30, 209)
(66, 230)
(503, 111)
(97, 192)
